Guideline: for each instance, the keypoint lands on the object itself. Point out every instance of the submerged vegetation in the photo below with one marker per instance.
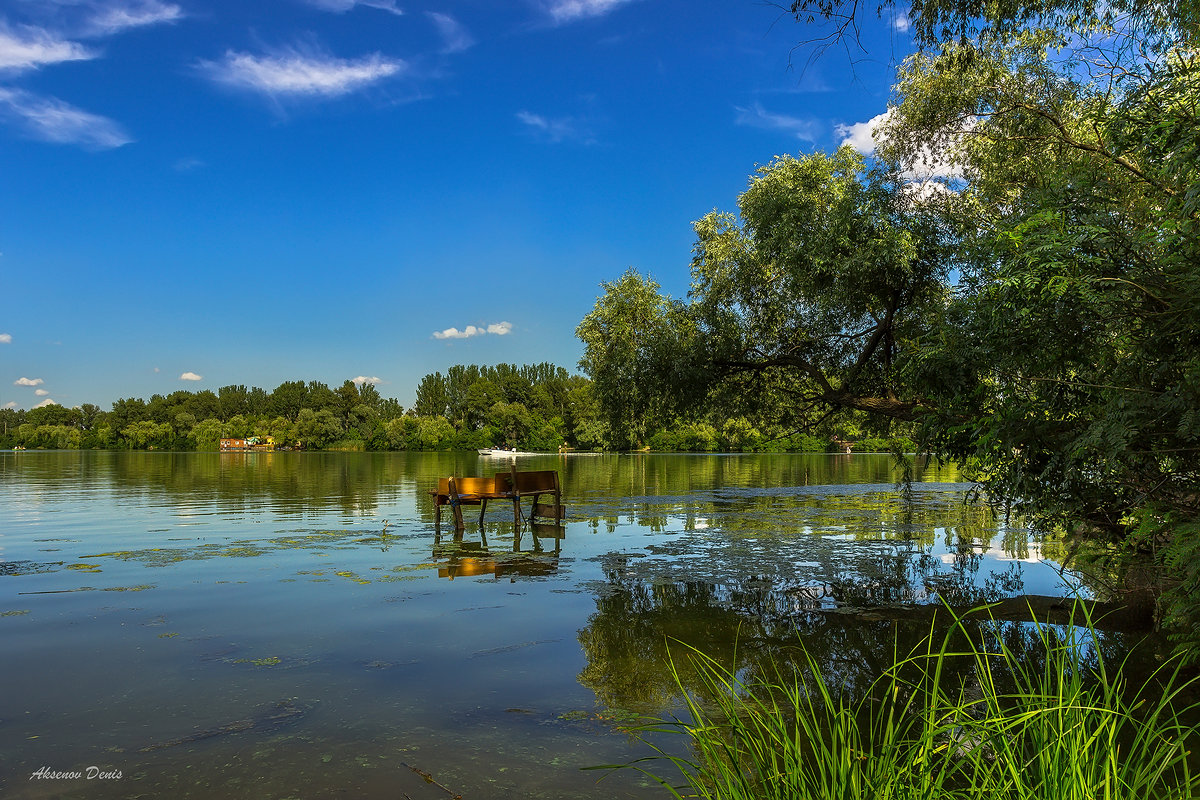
(964, 716)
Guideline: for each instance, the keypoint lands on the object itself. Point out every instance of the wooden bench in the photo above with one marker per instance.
(512, 485)
(459, 492)
(534, 483)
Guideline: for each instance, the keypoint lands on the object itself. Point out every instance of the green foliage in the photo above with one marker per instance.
(1054, 723)
(1018, 274)
(207, 434)
(631, 338)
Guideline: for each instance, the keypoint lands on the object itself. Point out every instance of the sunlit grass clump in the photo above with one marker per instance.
(963, 716)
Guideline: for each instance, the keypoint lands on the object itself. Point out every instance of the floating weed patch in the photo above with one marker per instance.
(622, 718)
(170, 635)
(141, 587)
(18, 613)
(84, 567)
(270, 661)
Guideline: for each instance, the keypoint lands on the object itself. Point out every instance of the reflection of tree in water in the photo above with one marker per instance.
(856, 546)
(359, 483)
(641, 630)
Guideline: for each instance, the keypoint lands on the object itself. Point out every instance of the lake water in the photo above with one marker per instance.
(295, 625)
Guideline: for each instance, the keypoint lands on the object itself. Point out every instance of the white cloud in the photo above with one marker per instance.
(862, 135)
(296, 73)
(50, 119)
(191, 376)
(342, 6)
(556, 129)
(10, 404)
(758, 117)
(136, 14)
(46, 402)
(5, 338)
(570, 10)
(926, 166)
(28, 382)
(28, 47)
(361, 379)
(498, 329)
(455, 38)
(901, 23)
(41, 392)
(923, 191)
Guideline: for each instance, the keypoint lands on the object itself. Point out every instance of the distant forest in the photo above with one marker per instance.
(540, 407)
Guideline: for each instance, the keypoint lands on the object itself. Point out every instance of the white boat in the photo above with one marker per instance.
(497, 452)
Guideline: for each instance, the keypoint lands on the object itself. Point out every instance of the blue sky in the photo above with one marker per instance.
(202, 193)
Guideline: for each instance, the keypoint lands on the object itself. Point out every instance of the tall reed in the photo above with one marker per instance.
(962, 716)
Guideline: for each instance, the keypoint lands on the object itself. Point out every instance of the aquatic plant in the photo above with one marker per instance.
(1047, 720)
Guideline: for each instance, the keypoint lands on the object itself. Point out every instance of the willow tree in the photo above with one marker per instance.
(1037, 307)
(827, 275)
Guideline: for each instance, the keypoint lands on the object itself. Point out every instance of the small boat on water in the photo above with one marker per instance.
(498, 452)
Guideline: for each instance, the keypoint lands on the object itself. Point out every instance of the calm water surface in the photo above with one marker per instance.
(295, 625)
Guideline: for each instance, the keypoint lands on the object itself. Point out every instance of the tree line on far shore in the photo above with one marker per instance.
(540, 407)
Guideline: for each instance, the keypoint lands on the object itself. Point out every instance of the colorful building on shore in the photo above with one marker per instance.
(250, 443)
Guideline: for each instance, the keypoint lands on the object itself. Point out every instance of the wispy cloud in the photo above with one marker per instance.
(191, 376)
(498, 329)
(116, 17)
(296, 73)
(757, 117)
(342, 6)
(562, 11)
(455, 38)
(361, 379)
(10, 404)
(46, 402)
(556, 129)
(5, 338)
(41, 392)
(901, 22)
(28, 382)
(52, 120)
(27, 47)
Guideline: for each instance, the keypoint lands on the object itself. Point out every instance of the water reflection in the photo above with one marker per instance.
(460, 557)
(491, 656)
(639, 641)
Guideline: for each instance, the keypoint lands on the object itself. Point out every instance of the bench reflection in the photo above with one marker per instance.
(456, 556)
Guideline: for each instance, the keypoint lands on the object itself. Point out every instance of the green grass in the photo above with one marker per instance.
(962, 716)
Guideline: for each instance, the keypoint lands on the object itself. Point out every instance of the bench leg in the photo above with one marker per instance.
(482, 508)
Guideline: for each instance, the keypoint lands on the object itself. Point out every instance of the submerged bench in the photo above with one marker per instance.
(512, 485)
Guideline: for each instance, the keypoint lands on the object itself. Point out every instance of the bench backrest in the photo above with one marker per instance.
(467, 486)
(532, 482)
